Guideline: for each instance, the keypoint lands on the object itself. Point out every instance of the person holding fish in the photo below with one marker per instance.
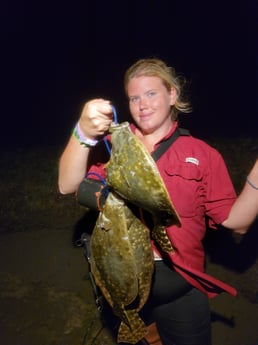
(198, 184)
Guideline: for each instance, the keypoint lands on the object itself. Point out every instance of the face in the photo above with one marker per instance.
(150, 103)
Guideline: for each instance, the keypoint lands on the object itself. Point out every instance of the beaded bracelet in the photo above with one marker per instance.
(84, 141)
(251, 184)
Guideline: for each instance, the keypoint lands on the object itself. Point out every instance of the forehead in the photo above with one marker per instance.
(141, 84)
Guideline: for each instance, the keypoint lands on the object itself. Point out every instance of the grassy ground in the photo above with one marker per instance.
(45, 294)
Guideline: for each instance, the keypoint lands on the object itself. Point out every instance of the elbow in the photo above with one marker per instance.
(62, 190)
(65, 189)
(61, 187)
(237, 228)
(241, 231)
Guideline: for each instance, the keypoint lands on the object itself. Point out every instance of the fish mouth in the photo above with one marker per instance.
(118, 126)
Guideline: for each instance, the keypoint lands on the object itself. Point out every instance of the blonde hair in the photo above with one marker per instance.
(157, 68)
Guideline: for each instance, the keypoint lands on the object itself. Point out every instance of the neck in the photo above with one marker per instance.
(150, 139)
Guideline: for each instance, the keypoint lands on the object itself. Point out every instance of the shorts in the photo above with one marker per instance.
(181, 312)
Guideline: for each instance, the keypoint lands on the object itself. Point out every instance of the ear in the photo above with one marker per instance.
(173, 95)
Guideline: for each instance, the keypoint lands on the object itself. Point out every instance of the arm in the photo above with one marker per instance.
(94, 121)
(245, 209)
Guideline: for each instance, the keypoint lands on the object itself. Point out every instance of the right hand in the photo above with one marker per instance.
(96, 117)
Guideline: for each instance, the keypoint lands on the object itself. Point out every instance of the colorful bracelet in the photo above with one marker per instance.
(251, 184)
(85, 142)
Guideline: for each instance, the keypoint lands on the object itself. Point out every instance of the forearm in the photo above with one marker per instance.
(95, 120)
(72, 166)
(245, 209)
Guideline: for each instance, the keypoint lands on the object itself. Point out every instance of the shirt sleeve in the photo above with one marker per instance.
(99, 156)
(220, 192)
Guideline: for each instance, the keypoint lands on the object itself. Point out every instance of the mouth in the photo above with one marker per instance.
(145, 117)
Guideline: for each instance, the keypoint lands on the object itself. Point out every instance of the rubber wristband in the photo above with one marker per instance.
(84, 141)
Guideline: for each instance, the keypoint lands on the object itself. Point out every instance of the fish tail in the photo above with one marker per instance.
(134, 331)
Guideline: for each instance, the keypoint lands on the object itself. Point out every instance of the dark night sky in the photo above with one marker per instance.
(56, 55)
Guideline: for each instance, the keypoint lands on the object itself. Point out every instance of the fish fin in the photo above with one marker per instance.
(159, 235)
(134, 331)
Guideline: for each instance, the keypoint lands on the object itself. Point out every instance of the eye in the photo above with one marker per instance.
(151, 94)
(134, 99)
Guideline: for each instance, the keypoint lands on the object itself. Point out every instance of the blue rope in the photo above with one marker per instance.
(115, 121)
(109, 151)
(107, 146)
(115, 114)
(101, 179)
(97, 175)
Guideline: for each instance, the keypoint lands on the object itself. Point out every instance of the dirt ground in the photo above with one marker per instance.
(46, 297)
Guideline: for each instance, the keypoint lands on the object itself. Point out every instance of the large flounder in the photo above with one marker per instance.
(133, 174)
(122, 265)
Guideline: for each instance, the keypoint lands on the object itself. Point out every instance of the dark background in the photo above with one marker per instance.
(56, 55)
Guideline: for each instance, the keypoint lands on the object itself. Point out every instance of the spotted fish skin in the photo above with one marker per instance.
(133, 174)
(122, 265)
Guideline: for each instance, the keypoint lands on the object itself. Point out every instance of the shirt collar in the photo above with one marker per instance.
(168, 135)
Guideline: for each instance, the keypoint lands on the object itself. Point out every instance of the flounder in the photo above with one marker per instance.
(133, 174)
(122, 265)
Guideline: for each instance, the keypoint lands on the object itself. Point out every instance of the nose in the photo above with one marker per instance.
(143, 103)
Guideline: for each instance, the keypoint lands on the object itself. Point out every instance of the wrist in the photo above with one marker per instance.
(83, 140)
(251, 183)
(252, 178)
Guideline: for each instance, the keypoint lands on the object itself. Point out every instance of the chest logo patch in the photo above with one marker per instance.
(192, 160)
